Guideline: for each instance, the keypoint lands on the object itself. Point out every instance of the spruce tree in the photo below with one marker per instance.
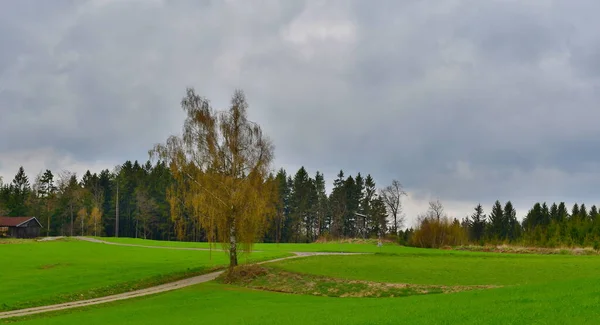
(513, 230)
(497, 224)
(593, 213)
(370, 220)
(583, 215)
(300, 206)
(554, 213)
(322, 204)
(562, 214)
(478, 223)
(20, 191)
(349, 228)
(337, 201)
(545, 216)
(575, 212)
(380, 216)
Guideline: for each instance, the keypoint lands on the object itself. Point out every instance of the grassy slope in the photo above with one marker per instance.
(496, 269)
(570, 302)
(42, 273)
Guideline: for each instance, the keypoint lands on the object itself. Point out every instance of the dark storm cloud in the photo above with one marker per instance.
(462, 100)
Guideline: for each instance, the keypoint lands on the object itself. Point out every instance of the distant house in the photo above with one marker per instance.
(20, 227)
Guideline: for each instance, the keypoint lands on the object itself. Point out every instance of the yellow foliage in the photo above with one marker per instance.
(435, 232)
(221, 169)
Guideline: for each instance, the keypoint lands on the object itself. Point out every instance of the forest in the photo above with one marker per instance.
(356, 207)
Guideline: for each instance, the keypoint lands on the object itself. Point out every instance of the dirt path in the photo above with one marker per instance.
(144, 292)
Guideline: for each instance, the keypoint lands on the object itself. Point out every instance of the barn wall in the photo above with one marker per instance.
(28, 230)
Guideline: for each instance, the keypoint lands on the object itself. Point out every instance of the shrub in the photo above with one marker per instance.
(434, 233)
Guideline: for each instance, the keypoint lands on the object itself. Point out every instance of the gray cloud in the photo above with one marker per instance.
(468, 101)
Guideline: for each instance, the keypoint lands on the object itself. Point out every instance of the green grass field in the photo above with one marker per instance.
(536, 289)
(41, 273)
(299, 247)
(492, 269)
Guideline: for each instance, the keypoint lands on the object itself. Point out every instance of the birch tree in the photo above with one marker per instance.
(221, 165)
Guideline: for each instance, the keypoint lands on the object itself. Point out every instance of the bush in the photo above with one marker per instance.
(434, 233)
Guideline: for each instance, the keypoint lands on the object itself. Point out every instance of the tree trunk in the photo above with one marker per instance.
(232, 247)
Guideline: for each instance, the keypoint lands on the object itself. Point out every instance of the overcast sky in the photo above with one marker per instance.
(465, 101)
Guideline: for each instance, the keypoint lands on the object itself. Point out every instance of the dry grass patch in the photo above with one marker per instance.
(527, 250)
(273, 279)
(15, 241)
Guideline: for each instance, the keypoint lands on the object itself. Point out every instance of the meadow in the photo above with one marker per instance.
(42, 273)
(530, 289)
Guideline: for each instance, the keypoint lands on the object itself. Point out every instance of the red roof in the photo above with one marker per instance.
(13, 221)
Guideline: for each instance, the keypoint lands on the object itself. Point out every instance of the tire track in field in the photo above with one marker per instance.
(147, 291)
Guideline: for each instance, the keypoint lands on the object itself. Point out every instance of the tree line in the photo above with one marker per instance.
(303, 211)
(69, 205)
(542, 226)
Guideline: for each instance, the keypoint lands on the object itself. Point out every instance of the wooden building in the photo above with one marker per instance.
(20, 227)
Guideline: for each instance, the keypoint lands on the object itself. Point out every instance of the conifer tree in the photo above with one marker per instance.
(301, 216)
(20, 191)
(575, 211)
(514, 228)
(478, 223)
(337, 201)
(583, 214)
(497, 222)
(321, 208)
(562, 213)
(593, 213)
(370, 220)
(554, 213)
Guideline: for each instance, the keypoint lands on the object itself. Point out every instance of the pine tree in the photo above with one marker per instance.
(300, 206)
(337, 201)
(369, 219)
(593, 213)
(575, 211)
(322, 204)
(497, 222)
(554, 212)
(545, 216)
(47, 192)
(20, 191)
(359, 195)
(478, 223)
(514, 228)
(349, 223)
(379, 215)
(583, 215)
(562, 213)
(533, 218)
(275, 234)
